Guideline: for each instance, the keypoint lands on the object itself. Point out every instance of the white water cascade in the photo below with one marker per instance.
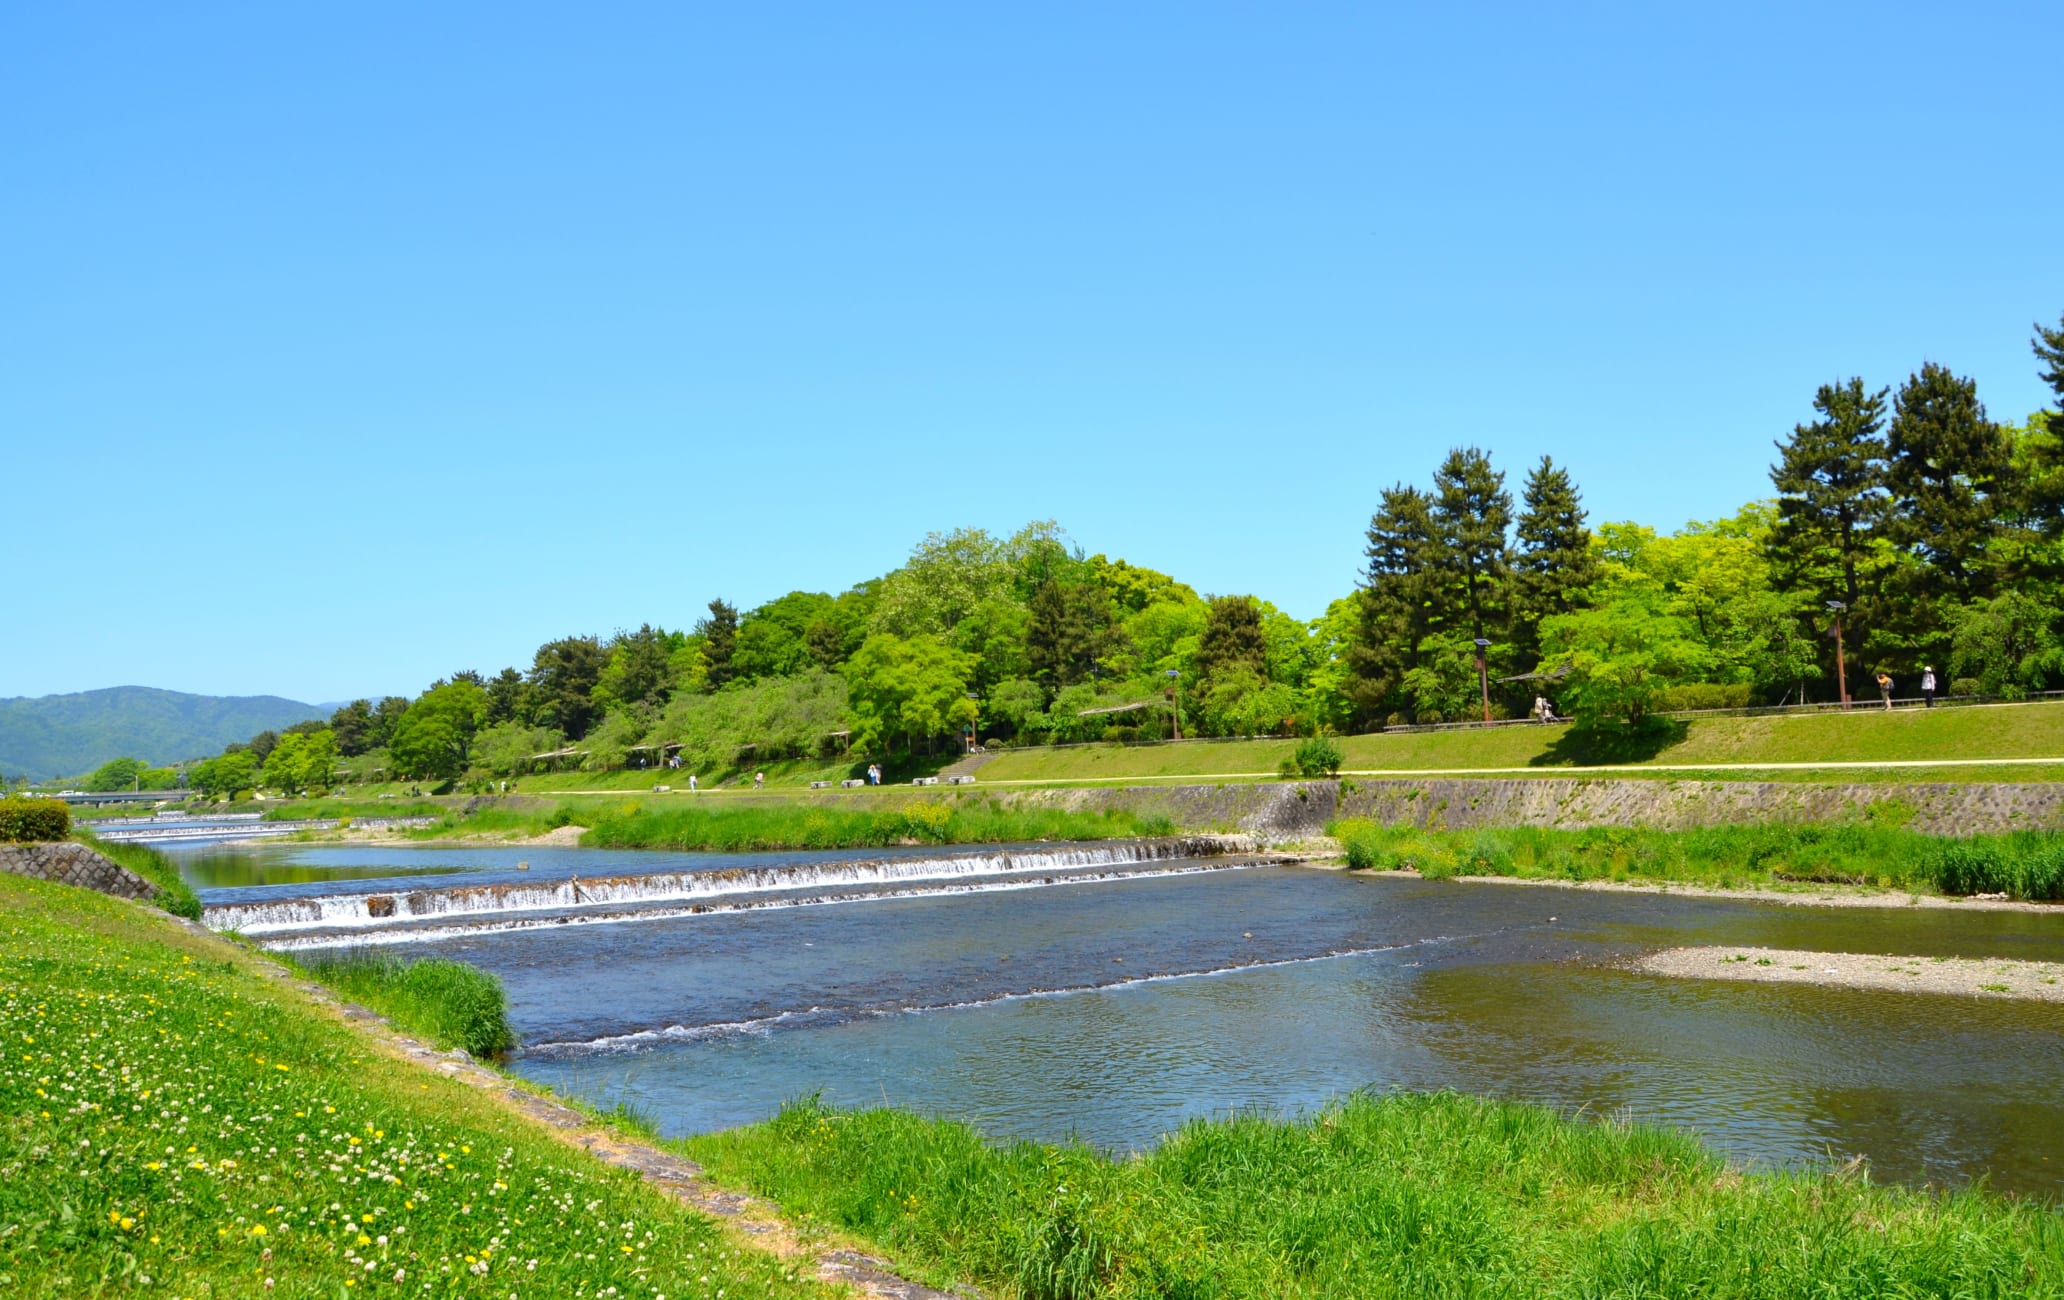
(369, 910)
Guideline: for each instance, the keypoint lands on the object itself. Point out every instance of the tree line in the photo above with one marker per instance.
(1934, 533)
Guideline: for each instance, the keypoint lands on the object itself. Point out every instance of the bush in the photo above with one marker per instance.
(26, 820)
(1967, 686)
(1705, 695)
(448, 1002)
(1315, 757)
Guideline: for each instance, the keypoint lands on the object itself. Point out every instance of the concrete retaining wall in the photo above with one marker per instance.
(74, 864)
(1292, 810)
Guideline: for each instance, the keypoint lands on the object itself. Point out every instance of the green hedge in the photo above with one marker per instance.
(24, 820)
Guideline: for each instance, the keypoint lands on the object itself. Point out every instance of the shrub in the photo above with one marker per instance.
(448, 1002)
(26, 820)
(1967, 686)
(1315, 757)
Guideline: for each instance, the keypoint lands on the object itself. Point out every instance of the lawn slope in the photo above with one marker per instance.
(172, 1119)
(2012, 731)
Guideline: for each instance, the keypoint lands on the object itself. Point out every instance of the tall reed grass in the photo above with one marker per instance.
(1404, 1195)
(448, 1002)
(2023, 864)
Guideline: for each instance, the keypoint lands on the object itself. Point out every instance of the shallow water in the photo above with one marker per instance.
(1113, 1006)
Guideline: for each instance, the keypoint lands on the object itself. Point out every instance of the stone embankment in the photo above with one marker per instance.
(1292, 810)
(74, 864)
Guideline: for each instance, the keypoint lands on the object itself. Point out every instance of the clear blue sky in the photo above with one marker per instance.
(385, 340)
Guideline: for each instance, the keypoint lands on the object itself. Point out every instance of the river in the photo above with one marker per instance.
(1050, 993)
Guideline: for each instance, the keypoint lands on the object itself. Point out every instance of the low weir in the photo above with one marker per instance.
(371, 910)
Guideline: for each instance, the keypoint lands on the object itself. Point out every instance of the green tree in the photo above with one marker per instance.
(2049, 350)
(303, 761)
(719, 633)
(1553, 567)
(1396, 602)
(226, 775)
(386, 716)
(116, 774)
(1232, 639)
(434, 739)
(2010, 644)
(353, 725)
(638, 670)
(773, 640)
(1472, 513)
(508, 698)
(912, 689)
(563, 675)
(946, 577)
(1069, 629)
(1622, 655)
(1831, 495)
(1951, 475)
(507, 748)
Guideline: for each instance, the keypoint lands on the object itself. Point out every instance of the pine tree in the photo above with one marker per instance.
(2049, 349)
(719, 633)
(1396, 601)
(1952, 479)
(1553, 567)
(1830, 482)
(1232, 638)
(1473, 512)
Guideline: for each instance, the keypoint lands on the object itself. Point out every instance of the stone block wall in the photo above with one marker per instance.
(74, 864)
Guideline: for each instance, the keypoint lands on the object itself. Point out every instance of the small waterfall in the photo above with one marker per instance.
(370, 910)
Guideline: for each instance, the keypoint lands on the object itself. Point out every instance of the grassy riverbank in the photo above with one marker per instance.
(172, 1119)
(1406, 1195)
(2028, 864)
(2018, 731)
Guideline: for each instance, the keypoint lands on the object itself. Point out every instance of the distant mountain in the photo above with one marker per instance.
(68, 735)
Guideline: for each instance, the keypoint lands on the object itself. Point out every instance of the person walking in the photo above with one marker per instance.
(1885, 689)
(759, 780)
(691, 783)
(1928, 686)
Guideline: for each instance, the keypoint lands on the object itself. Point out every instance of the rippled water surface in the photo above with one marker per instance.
(1043, 997)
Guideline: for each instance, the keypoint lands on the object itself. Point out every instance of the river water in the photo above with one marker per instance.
(1071, 992)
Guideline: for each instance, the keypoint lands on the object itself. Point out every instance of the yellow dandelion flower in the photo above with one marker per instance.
(257, 1229)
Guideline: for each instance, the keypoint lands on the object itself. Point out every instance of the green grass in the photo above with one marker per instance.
(1859, 736)
(448, 1002)
(174, 896)
(2025, 864)
(1407, 1195)
(817, 826)
(173, 1122)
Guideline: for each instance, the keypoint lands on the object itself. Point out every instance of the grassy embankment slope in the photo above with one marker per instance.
(1818, 740)
(1406, 1195)
(168, 1113)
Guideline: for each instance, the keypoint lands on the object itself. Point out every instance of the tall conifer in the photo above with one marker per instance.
(1830, 480)
(1553, 567)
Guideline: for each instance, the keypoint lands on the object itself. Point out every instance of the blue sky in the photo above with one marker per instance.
(379, 343)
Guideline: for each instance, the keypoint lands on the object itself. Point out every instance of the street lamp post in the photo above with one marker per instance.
(1841, 668)
(1176, 678)
(1483, 676)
